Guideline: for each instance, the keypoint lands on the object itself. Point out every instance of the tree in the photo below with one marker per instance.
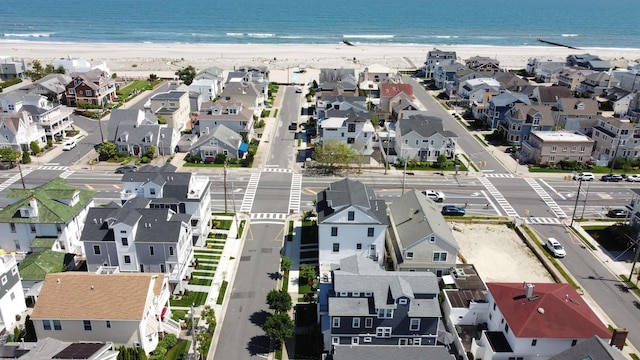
(209, 316)
(279, 301)
(285, 264)
(204, 343)
(442, 161)
(35, 148)
(151, 152)
(9, 155)
(332, 153)
(26, 158)
(153, 77)
(187, 74)
(278, 327)
(107, 150)
(307, 271)
(161, 120)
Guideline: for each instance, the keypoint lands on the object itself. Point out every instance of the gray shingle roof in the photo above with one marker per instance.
(223, 134)
(345, 193)
(382, 352)
(425, 126)
(594, 348)
(505, 98)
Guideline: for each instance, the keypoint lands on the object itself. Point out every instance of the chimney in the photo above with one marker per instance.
(34, 206)
(619, 337)
(529, 290)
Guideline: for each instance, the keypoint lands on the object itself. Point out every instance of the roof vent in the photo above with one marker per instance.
(58, 281)
(541, 310)
(92, 287)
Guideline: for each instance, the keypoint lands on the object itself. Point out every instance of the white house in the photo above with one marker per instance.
(99, 311)
(12, 301)
(53, 118)
(174, 107)
(423, 138)
(351, 221)
(350, 127)
(17, 131)
(78, 65)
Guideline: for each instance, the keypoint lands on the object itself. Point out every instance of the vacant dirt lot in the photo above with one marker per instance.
(499, 254)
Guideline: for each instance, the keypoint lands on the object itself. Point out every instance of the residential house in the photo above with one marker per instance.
(549, 72)
(139, 236)
(582, 125)
(389, 91)
(12, 304)
(219, 140)
(463, 75)
(521, 119)
(570, 108)
(628, 80)
(423, 138)
(174, 107)
(17, 131)
(510, 81)
(351, 127)
(403, 106)
(350, 352)
(445, 74)
(499, 105)
(589, 61)
(79, 65)
(136, 132)
(52, 117)
(208, 82)
(545, 147)
(571, 77)
(533, 64)
(615, 138)
(182, 192)
(11, 68)
(52, 210)
(36, 265)
(351, 221)
(337, 82)
(475, 89)
(534, 320)
(98, 314)
(212, 72)
(51, 86)
(483, 64)
(438, 58)
(232, 113)
(248, 84)
(340, 102)
(549, 95)
(596, 84)
(419, 239)
(372, 77)
(628, 106)
(592, 348)
(95, 87)
(364, 305)
(50, 349)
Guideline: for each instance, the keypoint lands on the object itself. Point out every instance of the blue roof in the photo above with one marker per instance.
(243, 147)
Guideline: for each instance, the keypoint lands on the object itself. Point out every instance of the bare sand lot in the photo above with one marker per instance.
(499, 254)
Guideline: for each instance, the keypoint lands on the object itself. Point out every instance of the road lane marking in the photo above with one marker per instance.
(557, 211)
(504, 204)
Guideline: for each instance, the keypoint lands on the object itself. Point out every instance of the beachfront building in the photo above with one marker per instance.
(351, 127)
(173, 106)
(11, 68)
(54, 210)
(17, 131)
(544, 147)
(94, 87)
(337, 82)
(437, 59)
(249, 84)
(219, 140)
(419, 239)
(615, 138)
(136, 131)
(521, 119)
(12, 303)
(52, 86)
(483, 64)
(423, 138)
(534, 63)
(52, 117)
(98, 312)
(231, 112)
(588, 61)
(78, 65)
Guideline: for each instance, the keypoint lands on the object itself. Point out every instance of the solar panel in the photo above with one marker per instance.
(79, 351)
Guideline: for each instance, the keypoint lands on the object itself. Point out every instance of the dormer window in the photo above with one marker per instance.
(351, 215)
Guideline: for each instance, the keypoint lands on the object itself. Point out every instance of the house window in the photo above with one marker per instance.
(506, 328)
(12, 296)
(414, 325)
(13, 227)
(355, 294)
(351, 215)
(351, 128)
(17, 243)
(439, 256)
(336, 247)
(336, 322)
(355, 340)
(403, 341)
(4, 280)
(152, 191)
(384, 332)
(123, 231)
(151, 251)
(127, 259)
(564, 149)
(368, 322)
(574, 342)
(409, 254)
(366, 339)
(87, 325)
(534, 342)
(125, 241)
(370, 232)
(170, 250)
(432, 239)
(417, 342)
(108, 324)
(385, 313)
(162, 268)
(368, 294)
(58, 229)
(334, 231)
(402, 301)
(355, 323)
(335, 340)
(46, 324)
(33, 227)
(96, 249)
(343, 294)
(57, 325)
(351, 140)
(14, 270)
(358, 246)
(88, 92)
(554, 149)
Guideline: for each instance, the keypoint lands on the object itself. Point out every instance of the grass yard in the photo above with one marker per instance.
(200, 281)
(200, 256)
(223, 289)
(203, 273)
(216, 247)
(178, 315)
(136, 86)
(221, 224)
(177, 352)
(191, 297)
(304, 289)
(206, 267)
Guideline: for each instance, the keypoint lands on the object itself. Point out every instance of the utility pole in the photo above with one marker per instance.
(225, 186)
(635, 258)
(575, 207)
(21, 177)
(193, 332)
(584, 204)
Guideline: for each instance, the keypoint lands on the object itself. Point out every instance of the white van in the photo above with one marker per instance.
(555, 248)
(69, 145)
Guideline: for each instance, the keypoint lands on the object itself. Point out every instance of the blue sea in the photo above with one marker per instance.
(584, 23)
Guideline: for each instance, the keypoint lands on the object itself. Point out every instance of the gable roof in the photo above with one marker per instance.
(385, 352)
(48, 197)
(505, 98)
(593, 348)
(522, 112)
(423, 125)
(94, 296)
(40, 263)
(564, 314)
(347, 193)
(551, 94)
(391, 90)
(221, 133)
(571, 106)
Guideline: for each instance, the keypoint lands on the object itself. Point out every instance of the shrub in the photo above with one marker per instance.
(170, 340)
(26, 158)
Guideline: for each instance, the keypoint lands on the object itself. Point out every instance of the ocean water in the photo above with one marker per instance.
(584, 23)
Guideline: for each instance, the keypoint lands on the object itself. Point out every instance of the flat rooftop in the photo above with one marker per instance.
(562, 136)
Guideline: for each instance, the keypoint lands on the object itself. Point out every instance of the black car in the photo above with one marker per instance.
(611, 177)
(617, 213)
(126, 169)
(511, 150)
(451, 210)
(293, 126)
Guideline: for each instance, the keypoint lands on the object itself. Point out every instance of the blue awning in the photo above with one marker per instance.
(243, 147)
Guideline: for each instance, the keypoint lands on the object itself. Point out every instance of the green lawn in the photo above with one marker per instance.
(223, 289)
(203, 256)
(200, 281)
(177, 352)
(139, 85)
(222, 214)
(178, 315)
(206, 267)
(221, 224)
(203, 273)
(304, 288)
(191, 297)
(216, 247)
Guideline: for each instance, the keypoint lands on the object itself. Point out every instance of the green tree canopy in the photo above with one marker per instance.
(9, 155)
(35, 148)
(107, 150)
(279, 301)
(307, 271)
(186, 74)
(278, 327)
(333, 153)
(285, 263)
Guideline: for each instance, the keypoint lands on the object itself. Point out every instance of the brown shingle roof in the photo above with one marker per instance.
(90, 296)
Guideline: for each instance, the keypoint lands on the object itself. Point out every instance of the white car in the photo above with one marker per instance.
(69, 145)
(436, 196)
(633, 178)
(555, 248)
(584, 176)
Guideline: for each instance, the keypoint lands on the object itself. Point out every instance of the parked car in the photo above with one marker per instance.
(555, 248)
(293, 126)
(298, 90)
(511, 150)
(452, 210)
(584, 176)
(69, 145)
(617, 213)
(633, 178)
(611, 177)
(436, 196)
(126, 169)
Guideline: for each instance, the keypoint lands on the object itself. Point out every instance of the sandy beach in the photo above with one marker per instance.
(164, 59)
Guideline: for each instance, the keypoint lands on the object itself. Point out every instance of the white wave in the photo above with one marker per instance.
(260, 35)
(369, 36)
(235, 34)
(27, 35)
(569, 35)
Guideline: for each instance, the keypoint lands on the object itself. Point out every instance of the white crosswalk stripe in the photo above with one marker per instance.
(268, 216)
(504, 204)
(277, 170)
(66, 174)
(541, 220)
(250, 193)
(53, 167)
(493, 175)
(294, 194)
(544, 195)
(14, 178)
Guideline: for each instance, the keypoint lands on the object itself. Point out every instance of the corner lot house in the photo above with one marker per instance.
(125, 309)
(554, 146)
